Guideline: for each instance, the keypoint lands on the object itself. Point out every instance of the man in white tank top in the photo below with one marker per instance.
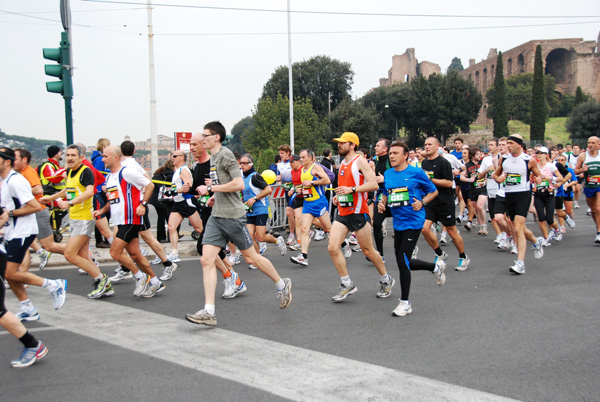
(588, 163)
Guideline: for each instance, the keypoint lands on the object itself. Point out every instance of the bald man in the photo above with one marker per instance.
(588, 163)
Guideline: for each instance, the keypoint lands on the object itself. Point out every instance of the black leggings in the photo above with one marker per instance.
(378, 227)
(404, 244)
(544, 206)
(3, 309)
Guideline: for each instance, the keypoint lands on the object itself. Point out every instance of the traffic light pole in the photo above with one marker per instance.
(69, 120)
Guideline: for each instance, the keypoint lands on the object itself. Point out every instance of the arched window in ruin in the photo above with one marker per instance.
(406, 77)
(558, 65)
(477, 79)
(520, 64)
(470, 77)
(493, 71)
(509, 67)
(485, 77)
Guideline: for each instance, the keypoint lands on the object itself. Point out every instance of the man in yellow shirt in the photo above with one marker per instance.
(79, 192)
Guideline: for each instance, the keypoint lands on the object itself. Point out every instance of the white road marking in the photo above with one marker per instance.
(287, 371)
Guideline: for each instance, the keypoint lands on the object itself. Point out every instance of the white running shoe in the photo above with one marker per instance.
(597, 239)
(300, 260)
(320, 235)
(121, 275)
(514, 249)
(156, 261)
(281, 245)
(252, 266)
(44, 257)
(442, 257)
(173, 257)
(291, 239)
(141, 285)
(262, 246)
(589, 211)
(440, 277)
(81, 271)
(518, 268)
(403, 309)
(498, 238)
(557, 235)
(538, 249)
(576, 205)
(234, 258)
(570, 222)
(347, 250)
(144, 251)
(295, 247)
(443, 238)
(463, 264)
(168, 272)
(352, 240)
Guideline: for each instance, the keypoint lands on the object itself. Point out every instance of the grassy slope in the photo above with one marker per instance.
(555, 129)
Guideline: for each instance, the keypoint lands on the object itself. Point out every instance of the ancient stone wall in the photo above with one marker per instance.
(405, 67)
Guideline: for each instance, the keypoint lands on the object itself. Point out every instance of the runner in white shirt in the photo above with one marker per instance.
(124, 188)
(18, 200)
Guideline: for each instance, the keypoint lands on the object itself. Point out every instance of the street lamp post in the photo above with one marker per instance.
(387, 106)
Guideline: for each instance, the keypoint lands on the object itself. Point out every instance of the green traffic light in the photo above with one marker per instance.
(53, 70)
(55, 87)
(51, 54)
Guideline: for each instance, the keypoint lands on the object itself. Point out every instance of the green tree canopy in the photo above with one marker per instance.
(241, 129)
(313, 79)
(584, 122)
(500, 115)
(539, 106)
(391, 104)
(355, 117)
(456, 65)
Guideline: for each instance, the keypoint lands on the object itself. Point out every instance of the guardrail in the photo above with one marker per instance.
(277, 205)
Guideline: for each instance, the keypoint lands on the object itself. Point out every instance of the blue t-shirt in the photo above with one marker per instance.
(569, 193)
(458, 154)
(402, 188)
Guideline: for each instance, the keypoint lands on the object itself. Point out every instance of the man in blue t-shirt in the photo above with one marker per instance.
(407, 190)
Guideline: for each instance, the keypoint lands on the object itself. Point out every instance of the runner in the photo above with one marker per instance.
(315, 204)
(515, 170)
(79, 195)
(283, 176)
(485, 171)
(381, 150)
(408, 190)
(564, 196)
(477, 192)
(355, 180)
(441, 208)
(588, 163)
(256, 200)
(17, 199)
(124, 188)
(228, 223)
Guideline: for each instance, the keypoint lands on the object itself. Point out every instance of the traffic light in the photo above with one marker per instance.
(62, 70)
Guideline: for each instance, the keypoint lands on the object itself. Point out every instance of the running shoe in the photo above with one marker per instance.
(562, 229)
(469, 226)
(356, 249)
(140, 285)
(498, 238)
(538, 248)
(320, 235)
(281, 245)
(151, 289)
(156, 261)
(285, 295)
(576, 205)
(168, 272)
(93, 258)
(81, 271)
(597, 239)
(237, 289)
(100, 288)
(59, 294)
(228, 284)
(442, 257)
(518, 268)
(295, 247)
(415, 253)
(570, 222)
(557, 235)
(514, 249)
(443, 238)
(26, 315)
(299, 259)
(30, 355)
(385, 289)
(588, 212)
(173, 257)
(143, 251)
(344, 292)
(262, 246)
(291, 239)
(502, 244)
(347, 250)
(202, 317)
(234, 258)
(44, 257)
(463, 264)
(404, 308)
(352, 240)
(440, 277)
(252, 266)
(121, 275)
(311, 234)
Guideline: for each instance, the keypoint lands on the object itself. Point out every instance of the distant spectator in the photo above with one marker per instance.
(273, 166)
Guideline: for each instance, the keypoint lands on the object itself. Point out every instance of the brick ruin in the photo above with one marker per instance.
(405, 67)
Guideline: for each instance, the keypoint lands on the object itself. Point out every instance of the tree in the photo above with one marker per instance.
(242, 128)
(579, 99)
(313, 79)
(500, 115)
(391, 104)
(355, 117)
(456, 65)
(584, 122)
(538, 99)
(272, 126)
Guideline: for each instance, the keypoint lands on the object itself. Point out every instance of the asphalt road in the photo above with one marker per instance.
(485, 335)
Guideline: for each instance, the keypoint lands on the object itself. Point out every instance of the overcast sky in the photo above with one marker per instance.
(211, 64)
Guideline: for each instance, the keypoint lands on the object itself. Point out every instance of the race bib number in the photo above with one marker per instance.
(479, 183)
(513, 179)
(544, 185)
(247, 208)
(346, 200)
(398, 197)
(306, 192)
(213, 176)
(287, 186)
(70, 193)
(429, 174)
(112, 194)
(204, 200)
(593, 180)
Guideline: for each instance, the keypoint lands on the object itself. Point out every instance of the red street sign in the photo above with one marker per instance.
(182, 141)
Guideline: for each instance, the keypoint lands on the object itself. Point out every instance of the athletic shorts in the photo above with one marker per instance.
(257, 220)
(353, 222)
(445, 214)
(491, 206)
(465, 189)
(475, 193)
(559, 202)
(500, 205)
(17, 247)
(80, 227)
(185, 208)
(297, 202)
(146, 221)
(128, 232)
(580, 180)
(219, 231)
(518, 204)
(569, 198)
(99, 202)
(590, 192)
(43, 222)
(316, 208)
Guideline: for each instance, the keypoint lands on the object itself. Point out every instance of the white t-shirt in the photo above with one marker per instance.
(491, 185)
(16, 192)
(119, 194)
(284, 169)
(131, 163)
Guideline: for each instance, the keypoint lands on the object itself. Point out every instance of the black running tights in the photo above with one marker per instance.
(404, 244)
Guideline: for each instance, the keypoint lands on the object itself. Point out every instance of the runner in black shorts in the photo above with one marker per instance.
(442, 208)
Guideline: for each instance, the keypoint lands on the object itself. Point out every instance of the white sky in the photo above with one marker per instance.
(207, 77)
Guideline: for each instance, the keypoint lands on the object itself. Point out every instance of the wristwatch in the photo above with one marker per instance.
(144, 203)
(423, 202)
(70, 203)
(10, 214)
(209, 188)
(354, 189)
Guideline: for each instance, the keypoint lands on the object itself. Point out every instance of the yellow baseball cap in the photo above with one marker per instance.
(348, 137)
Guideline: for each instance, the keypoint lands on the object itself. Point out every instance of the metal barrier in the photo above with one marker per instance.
(277, 205)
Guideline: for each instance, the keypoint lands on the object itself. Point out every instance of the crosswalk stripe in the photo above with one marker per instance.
(284, 370)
